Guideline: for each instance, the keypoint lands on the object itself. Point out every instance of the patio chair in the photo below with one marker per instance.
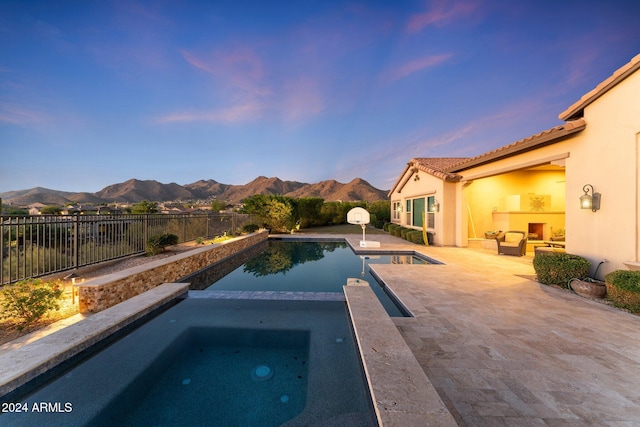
(512, 243)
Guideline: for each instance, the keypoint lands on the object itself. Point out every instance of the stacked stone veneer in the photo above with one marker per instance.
(103, 292)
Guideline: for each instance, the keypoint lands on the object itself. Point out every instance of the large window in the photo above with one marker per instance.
(416, 211)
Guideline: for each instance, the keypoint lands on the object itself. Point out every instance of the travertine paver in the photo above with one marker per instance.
(503, 350)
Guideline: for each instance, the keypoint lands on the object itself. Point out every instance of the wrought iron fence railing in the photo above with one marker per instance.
(33, 246)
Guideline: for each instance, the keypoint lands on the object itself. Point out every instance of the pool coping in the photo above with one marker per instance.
(401, 391)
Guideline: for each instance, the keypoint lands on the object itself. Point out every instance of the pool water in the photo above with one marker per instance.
(305, 267)
(218, 362)
(242, 376)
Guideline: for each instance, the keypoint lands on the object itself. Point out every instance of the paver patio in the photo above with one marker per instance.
(504, 350)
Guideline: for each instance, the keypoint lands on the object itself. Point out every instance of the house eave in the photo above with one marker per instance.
(542, 139)
(577, 109)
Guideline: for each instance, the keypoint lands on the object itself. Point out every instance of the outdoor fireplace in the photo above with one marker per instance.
(536, 231)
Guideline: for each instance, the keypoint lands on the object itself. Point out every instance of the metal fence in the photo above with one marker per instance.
(32, 246)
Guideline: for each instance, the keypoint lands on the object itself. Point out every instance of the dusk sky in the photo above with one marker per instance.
(94, 93)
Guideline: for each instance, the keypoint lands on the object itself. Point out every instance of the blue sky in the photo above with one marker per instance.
(95, 93)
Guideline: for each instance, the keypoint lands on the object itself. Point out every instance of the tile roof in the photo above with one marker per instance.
(577, 109)
(435, 166)
(438, 166)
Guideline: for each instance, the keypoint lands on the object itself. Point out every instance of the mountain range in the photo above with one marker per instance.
(134, 191)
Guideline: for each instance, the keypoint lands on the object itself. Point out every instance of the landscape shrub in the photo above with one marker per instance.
(377, 223)
(623, 289)
(385, 226)
(392, 228)
(557, 268)
(415, 236)
(28, 300)
(156, 244)
(250, 228)
(404, 231)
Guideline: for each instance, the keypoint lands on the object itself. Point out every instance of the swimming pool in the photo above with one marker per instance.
(217, 362)
(294, 266)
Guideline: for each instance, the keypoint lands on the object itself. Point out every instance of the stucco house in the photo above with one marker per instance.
(535, 184)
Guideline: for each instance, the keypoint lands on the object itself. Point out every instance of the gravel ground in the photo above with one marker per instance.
(103, 269)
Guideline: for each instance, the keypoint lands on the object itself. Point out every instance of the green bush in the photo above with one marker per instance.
(415, 236)
(624, 279)
(250, 228)
(557, 268)
(385, 226)
(376, 222)
(623, 288)
(392, 229)
(156, 244)
(404, 231)
(29, 300)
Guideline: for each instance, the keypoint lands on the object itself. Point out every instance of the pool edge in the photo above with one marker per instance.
(401, 391)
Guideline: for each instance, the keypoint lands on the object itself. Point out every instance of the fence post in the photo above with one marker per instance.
(76, 241)
(145, 230)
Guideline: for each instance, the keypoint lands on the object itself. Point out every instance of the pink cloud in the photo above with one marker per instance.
(20, 116)
(441, 13)
(303, 99)
(239, 69)
(416, 65)
(237, 113)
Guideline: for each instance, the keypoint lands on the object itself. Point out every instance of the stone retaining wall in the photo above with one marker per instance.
(103, 292)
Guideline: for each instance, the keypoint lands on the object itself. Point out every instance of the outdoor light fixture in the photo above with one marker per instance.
(435, 206)
(590, 201)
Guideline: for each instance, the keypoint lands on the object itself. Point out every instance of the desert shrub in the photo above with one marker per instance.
(623, 288)
(28, 300)
(250, 228)
(415, 236)
(404, 231)
(156, 244)
(557, 268)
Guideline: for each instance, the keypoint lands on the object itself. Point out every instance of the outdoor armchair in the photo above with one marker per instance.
(512, 243)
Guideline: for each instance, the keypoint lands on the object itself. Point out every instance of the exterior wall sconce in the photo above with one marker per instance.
(590, 201)
(435, 206)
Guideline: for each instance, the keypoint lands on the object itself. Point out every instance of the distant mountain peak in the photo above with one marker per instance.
(134, 190)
